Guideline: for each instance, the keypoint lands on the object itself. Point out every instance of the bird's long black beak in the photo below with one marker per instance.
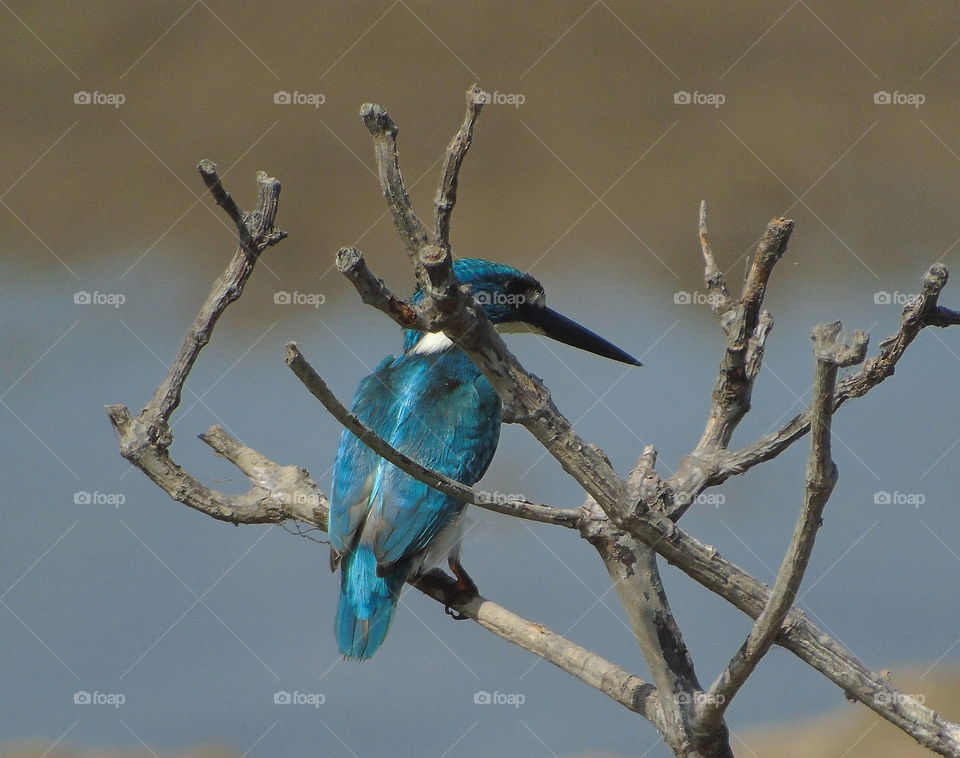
(559, 327)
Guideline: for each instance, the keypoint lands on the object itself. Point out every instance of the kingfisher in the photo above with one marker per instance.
(433, 404)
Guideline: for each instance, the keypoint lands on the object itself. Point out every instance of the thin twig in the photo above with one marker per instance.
(921, 312)
(413, 234)
(833, 351)
(256, 233)
(456, 151)
(718, 295)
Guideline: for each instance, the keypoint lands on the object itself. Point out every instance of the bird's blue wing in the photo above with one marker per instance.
(356, 464)
(448, 419)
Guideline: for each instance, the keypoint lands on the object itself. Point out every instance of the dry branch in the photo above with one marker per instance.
(832, 352)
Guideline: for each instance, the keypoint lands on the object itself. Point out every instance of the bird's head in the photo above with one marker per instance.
(515, 302)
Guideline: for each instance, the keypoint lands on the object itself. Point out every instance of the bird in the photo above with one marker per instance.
(433, 404)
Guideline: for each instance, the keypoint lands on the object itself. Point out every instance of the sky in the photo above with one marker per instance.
(608, 123)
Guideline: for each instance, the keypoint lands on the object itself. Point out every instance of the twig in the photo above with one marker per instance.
(922, 312)
(713, 277)
(731, 394)
(257, 233)
(745, 328)
(833, 351)
(456, 151)
(511, 507)
(374, 292)
(413, 234)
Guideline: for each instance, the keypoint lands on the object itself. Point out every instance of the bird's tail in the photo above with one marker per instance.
(367, 602)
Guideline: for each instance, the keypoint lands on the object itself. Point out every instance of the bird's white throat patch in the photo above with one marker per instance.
(432, 342)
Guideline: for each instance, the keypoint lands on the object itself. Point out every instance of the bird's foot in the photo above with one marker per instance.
(448, 590)
(466, 588)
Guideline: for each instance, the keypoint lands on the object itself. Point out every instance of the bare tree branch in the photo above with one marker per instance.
(715, 280)
(627, 689)
(256, 233)
(833, 350)
(921, 312)
(413, 234)
(636, 578)
(745, 330)
(456, 151)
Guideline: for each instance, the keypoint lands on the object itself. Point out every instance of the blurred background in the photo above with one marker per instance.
(608, 123)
